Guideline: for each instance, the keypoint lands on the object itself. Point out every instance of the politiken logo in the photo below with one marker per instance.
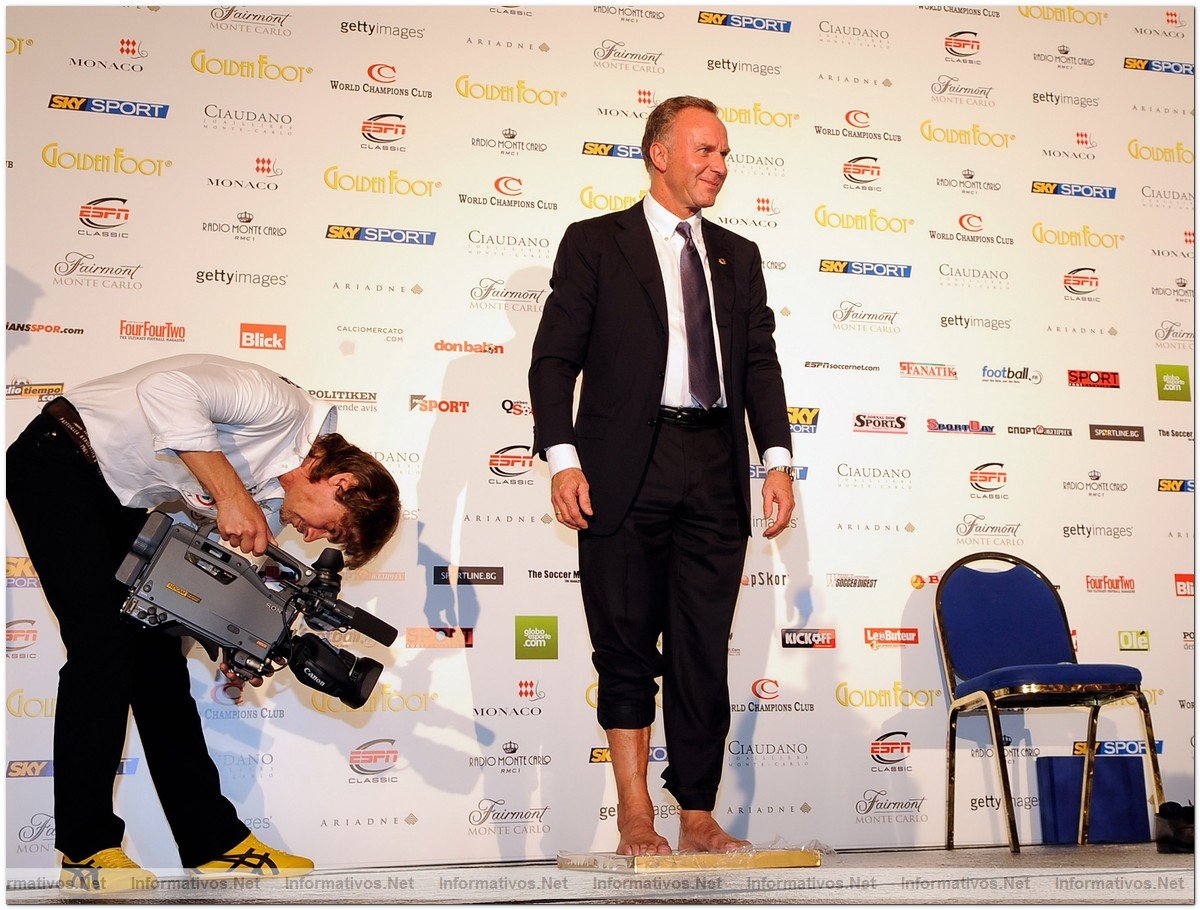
(536, 637)
(109, 106)
(737, 20)
(263, 337)
(1093, 379)
(380, 234)
(803, 420)
(808, 638)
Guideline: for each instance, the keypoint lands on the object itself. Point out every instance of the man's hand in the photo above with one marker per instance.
(777, 492)
(235, 684)
(240, 519)
(570, 498)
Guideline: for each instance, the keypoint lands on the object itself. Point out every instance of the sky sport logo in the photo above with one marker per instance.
(380, 234)
(869, 269)
(109, 106)
(1079, 190)
(612, 150)
(735, 20)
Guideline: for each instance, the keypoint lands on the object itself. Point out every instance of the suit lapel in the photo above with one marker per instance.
(637, 245)
(720, 266)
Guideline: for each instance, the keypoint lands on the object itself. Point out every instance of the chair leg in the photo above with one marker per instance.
(951, 750)
(1014, 843)
(1089, 771)
(1150, 743)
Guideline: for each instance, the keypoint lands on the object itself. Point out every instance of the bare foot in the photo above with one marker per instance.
(638, 837)
(700, 833)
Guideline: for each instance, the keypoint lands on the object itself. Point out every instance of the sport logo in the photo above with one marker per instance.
(376, 756)
(1093, 379)
(101, 214)
(881, 423)
(439, 637)
(384, 128)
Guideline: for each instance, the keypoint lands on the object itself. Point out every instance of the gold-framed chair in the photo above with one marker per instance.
(1006, 646)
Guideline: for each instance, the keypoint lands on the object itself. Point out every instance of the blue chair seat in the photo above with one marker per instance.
(1050, 675)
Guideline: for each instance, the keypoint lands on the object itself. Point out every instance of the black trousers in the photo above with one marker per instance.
(76, 533)
(673, 569)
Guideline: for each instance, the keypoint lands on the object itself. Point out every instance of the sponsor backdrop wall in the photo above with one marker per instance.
(976, 224)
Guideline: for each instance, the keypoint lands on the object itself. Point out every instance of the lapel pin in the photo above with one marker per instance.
(722, 262)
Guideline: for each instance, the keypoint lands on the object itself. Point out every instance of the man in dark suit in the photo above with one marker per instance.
(666, 317)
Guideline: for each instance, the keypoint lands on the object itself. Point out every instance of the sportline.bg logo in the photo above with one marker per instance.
(261, 336)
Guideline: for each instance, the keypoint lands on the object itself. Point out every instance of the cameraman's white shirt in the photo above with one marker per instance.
(138, 420)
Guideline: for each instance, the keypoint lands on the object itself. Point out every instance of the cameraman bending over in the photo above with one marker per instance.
(232, 440)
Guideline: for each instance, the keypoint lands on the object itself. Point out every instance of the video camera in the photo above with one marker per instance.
(184, 583)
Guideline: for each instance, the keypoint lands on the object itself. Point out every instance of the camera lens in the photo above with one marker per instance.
(362, 680)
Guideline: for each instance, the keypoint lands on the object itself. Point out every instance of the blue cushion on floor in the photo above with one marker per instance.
(1050, 675)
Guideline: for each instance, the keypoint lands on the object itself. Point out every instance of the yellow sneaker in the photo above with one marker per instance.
(253, 857)
(106, 871)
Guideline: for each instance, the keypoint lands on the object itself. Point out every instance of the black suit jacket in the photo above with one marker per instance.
(606, 317)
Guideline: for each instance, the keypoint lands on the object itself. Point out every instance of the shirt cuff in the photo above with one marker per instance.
(561, 457)
(774, 457)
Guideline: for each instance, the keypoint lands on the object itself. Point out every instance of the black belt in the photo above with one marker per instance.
(693, 417)
(64, 412)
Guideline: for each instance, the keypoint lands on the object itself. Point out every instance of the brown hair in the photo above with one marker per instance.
(372, 504)
(660, 120)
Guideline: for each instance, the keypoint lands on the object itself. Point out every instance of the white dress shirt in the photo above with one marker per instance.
(138, 420)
